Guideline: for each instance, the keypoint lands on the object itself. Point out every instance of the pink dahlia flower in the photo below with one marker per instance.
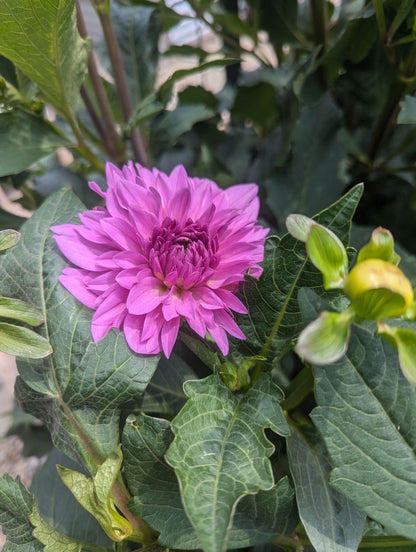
(164, 250)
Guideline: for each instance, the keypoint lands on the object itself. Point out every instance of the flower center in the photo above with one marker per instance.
(183, 256)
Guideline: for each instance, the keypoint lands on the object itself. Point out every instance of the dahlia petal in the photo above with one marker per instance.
(98, 332)
(219, 335)
(231, 301)
(132, 328)
(76, 280)
(127, 278)
(179, 206)
(130, 259)
(121, 233)
(111, 308)
(223, 319)
(80, 252)
(146, 295)
(198, 325)
(241, 195)
(208, 298)
(169, 334)
(95, 188)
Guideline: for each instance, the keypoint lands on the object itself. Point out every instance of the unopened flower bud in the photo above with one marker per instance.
(378, 290)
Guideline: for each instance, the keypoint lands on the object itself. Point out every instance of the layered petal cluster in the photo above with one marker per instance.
(166, 249)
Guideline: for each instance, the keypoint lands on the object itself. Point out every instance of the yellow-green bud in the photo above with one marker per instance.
(378, 290)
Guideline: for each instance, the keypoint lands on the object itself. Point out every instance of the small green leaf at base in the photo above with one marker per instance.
(18, 341)
(404, 341)
(19, 310)
(326, 339)
(96, 497)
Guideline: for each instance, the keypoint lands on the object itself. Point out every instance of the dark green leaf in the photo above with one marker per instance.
(311, 178)
(80, 389)
(157, 499)
(43, 41)
(16, 505)
(332, 522)
(220, 453)
(137, 29)
(367, 417)
(24, 139)
(275, 320)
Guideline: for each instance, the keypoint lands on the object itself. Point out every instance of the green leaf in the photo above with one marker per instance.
(324, 340)
(53, 541)
(43, 41)
(16, 505)
(80, 389)
(404, 341)
(367, 418)
(407, 115)
(215, 467)
(310, 179)
(329, 255)
(137, 29)
(153, 484)
(332, 522)
(18, 341)
(58, 507)
(275, 320)
(24, 139)
(157, 498)
(96, 497)
(8, 238)
(19, 310)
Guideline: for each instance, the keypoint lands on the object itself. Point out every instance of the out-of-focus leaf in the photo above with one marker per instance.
(19, 310)
(333, 523)
(220, 453)
(79, 390)
(275, 320)
(38, 38)
(256, 104)
(366, 415)
(311, 178)
(24, 139)
(16, 505)
(407, 115)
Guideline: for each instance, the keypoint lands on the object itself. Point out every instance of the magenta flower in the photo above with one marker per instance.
(165, 250)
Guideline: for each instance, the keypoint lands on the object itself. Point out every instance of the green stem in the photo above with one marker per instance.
(299, 389)
(108, 132)
(319, 22)
(139, 150)
(386, 542)
(391, 107)
(381, 22)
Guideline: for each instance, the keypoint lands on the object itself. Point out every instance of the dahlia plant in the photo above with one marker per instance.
(212, 354)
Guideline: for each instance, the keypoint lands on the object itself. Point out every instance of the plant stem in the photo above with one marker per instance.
(139, 150)
(381, 22)
(319, 22)
(109, 135)
(391, 107)
(299, 389)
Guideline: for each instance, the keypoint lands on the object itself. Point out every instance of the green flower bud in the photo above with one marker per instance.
(378, 290)
(380, 246)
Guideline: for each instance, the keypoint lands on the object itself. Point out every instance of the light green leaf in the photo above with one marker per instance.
(333, 523)
(41, 38)
(96, 497)
(404, 341)
(8, 238)
(16, 505)
(407, 115)
(19, 310)
(24, 139)
(59, 508)
(275, 319)
(325, 340)
(367, 418)
(80, 389)
(53, 541)
(328, 254)
(299, 226)
(19, 341)
(220, 453)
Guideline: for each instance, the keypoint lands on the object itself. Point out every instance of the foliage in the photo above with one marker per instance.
(303, 437)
